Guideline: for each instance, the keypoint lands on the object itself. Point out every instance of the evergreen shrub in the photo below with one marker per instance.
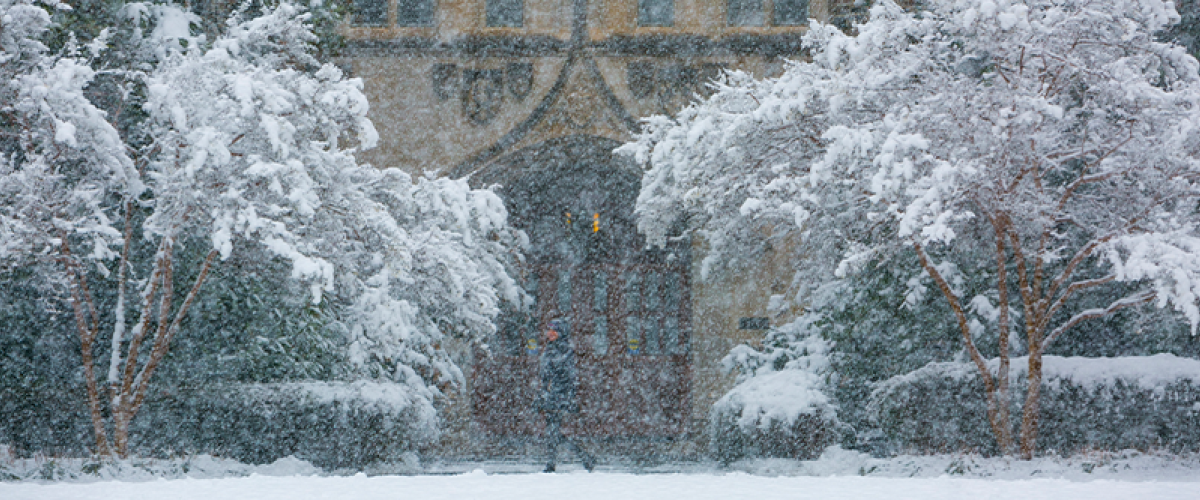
(941, 408)
(781, 414)
(333, 425)
(803, 438)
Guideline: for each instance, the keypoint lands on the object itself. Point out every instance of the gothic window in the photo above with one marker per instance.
(370, 12)
(414, 12)
(656, 13)
(505, 13)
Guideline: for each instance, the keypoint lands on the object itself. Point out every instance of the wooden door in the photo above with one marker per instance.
(631, 331)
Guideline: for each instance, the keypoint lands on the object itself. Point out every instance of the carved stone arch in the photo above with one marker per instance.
(576, 175)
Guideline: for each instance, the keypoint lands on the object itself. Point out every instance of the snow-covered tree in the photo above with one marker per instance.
(1029, 159)
(250, 148)
(1187, 31)
(62, 162)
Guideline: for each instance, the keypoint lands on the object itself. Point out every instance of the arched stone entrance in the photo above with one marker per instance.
(629, 306)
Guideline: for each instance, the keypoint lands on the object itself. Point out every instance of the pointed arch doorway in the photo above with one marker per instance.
(629, 307)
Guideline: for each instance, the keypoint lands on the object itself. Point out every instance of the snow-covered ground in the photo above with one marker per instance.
(837, 474)
(580, 485)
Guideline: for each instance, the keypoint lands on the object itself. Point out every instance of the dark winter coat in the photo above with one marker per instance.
(556, 372)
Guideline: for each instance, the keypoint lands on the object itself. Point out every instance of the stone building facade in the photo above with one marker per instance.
(533, 96)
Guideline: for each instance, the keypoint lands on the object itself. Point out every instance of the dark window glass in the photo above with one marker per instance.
(600, 336)
(650, 336)
(600, 291)
(653, 294)
(632, 293)
(746, 12)
(656, 12)
(506, 13)
(670, 329)
(600, 306)
(414, 12)
(791, 12)
(564, 293)
(370, 12)
(671, 335)
(633, 331)
(671, 292)
(651, 283)
(633, 335)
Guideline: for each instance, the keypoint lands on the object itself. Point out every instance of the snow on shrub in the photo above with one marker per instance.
(1136, 402)
(331, 424)
(779, 407)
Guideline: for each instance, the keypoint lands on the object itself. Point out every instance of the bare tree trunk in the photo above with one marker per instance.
(79, 297)
(121, 434)
(1029, 415)
(1003, 437)
(89, 375)
(999, 426)
(135, 389)
(1036, 301)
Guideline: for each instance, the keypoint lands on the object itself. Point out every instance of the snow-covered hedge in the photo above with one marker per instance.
(1147, 402)
(778, 414)
(779, 408)
(331, 424)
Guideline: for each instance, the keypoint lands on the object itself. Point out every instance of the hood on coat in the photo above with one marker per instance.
(562, 326)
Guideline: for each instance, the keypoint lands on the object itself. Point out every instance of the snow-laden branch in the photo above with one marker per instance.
(1130, 301)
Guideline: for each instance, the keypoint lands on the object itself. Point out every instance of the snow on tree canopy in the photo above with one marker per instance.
(252, 146)
(257, 150)
(58, 130)
(1047, 148)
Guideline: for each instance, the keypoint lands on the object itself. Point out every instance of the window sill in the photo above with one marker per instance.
(385, 32)
(763, 30)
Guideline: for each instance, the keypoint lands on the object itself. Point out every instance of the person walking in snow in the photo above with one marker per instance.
(556, 371)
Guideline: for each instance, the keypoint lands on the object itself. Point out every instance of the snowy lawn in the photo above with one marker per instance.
(579, 485)
(837, 474)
